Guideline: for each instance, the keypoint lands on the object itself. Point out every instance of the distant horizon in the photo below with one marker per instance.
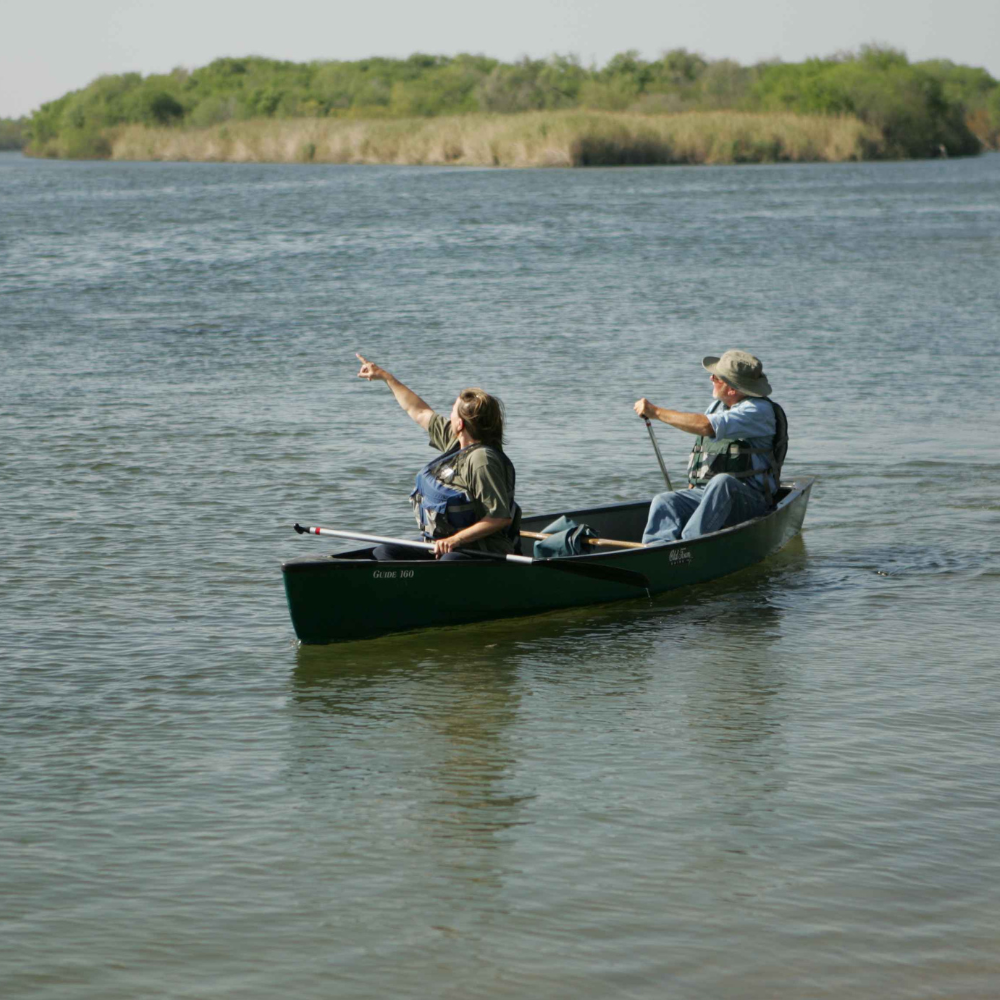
(6, 114)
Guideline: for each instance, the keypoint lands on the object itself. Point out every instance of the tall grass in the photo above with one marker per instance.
(532, 139)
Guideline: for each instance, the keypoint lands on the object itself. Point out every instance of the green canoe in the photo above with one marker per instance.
(347, 595)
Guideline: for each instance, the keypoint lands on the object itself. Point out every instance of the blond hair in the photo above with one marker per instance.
(483, 415)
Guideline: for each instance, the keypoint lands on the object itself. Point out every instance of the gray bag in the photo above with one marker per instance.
(567, 539)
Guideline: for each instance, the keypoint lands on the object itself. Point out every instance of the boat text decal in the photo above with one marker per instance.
(392, 574)
(678, 556)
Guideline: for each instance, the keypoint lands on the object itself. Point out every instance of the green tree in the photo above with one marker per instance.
(13, 134)
(920, 109)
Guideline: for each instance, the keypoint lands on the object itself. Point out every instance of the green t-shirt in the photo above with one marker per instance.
(483, 475)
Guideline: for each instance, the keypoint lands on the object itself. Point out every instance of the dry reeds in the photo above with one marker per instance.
(533, 139)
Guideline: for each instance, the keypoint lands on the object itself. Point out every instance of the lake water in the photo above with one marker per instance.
(781, 785)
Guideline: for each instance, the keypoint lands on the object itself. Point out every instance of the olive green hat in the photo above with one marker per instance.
(740, 370)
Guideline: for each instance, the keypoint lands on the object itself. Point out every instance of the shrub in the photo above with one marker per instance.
(83, 143)
(615, 94)
(918, 109)
(906, 103)
(153, 107)
(213, 110)
(13, 134)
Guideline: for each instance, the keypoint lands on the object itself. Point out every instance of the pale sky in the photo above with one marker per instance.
(48, 47)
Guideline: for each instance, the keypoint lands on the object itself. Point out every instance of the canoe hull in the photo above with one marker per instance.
(342, 597)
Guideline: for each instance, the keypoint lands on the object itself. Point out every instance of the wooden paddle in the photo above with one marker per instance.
(569, 565)
(601, 542)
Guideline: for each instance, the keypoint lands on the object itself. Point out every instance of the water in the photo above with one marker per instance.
(784, 784)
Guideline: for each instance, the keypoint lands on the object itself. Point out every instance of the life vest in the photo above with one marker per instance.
(734, 456)
(441, 509)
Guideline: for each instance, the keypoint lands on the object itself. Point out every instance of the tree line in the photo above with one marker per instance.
(12, 133)
(921, 109)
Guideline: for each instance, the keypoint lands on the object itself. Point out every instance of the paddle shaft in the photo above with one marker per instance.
(383, 540)
(656, 448)
(610, 542)
(600, 572)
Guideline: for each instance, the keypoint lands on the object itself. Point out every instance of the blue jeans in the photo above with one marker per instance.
(689, 513)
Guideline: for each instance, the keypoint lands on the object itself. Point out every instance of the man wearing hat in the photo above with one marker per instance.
(735, 464)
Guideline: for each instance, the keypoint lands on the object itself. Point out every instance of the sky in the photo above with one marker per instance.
(48, 47)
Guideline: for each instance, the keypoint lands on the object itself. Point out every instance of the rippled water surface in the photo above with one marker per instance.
(784, 784)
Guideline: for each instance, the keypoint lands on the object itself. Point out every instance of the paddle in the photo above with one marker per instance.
(656, 448)
(597, 572)
(601, 542)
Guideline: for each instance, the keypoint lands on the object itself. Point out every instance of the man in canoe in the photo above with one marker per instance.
(464, 497)
(735, 465)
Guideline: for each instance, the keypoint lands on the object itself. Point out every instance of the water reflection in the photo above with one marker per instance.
(440, 715)
(733, 714)
(428, 716)
(732, 704)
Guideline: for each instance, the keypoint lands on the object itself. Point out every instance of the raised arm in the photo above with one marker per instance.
(414, 406)
(693, 423)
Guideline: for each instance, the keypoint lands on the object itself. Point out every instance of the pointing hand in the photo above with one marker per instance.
(371, 371)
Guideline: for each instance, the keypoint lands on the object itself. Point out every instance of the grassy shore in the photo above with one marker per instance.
(532, 139)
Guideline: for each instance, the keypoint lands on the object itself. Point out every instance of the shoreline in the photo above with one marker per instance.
(528, 139)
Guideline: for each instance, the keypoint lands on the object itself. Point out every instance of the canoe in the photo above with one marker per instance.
(347, 595)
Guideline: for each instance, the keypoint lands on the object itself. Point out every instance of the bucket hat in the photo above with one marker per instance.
(740, 370)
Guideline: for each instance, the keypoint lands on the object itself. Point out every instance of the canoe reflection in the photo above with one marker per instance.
(456, 730)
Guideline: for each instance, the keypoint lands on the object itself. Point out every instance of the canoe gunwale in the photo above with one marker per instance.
(795, 491)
